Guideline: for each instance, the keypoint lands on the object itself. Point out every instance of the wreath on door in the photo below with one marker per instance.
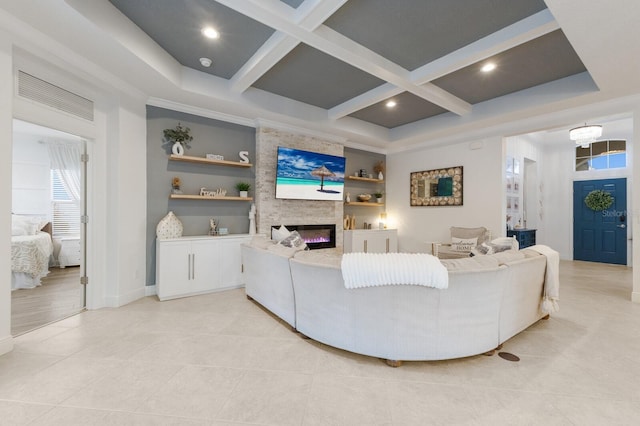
(598, 200)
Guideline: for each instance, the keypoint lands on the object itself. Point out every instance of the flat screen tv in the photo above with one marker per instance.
(305, 175)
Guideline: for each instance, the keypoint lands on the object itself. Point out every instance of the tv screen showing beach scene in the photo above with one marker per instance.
(305, 175)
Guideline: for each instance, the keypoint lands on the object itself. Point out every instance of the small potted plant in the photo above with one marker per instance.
(243, 188)
(378, 196)
(179, 137)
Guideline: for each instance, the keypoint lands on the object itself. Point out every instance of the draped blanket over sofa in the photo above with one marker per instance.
(488, 300)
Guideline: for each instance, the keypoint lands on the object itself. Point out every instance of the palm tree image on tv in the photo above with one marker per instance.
(309, 175)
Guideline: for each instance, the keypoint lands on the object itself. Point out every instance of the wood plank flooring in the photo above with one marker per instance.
(59, 296)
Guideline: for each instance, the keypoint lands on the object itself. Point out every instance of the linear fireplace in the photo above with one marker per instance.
(316, 236)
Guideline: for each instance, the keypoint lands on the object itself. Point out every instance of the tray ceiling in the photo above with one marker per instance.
(349, 57)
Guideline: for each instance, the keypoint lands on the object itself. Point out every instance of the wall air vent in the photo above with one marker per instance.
(35, 89)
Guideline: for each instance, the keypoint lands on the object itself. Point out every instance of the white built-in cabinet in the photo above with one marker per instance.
(188, 266)
(371, 241)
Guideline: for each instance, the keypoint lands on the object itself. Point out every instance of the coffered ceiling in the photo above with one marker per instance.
(332, 65)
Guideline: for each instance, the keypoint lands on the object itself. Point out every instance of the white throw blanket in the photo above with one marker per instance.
(551, 279)
(375, 269)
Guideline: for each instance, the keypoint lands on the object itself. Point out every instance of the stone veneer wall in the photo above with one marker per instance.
(272, 211)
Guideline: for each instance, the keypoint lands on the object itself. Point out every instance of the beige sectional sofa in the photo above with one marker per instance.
(489, 299)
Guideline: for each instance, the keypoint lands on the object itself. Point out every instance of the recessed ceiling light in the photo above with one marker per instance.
(391, 104)
(210, 32)
(489, 66)
(206, 62)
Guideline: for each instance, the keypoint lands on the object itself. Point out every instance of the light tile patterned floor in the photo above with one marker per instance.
(220, 360)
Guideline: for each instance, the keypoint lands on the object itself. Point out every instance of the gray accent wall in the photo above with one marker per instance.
(209, 137)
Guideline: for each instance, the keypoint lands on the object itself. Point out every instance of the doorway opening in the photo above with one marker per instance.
(48, 233)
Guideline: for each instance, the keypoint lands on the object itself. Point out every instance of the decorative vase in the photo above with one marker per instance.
(177, 148)
(380, 176)
(244, 194)
(379, 200)
(169, 227)
(348, 199)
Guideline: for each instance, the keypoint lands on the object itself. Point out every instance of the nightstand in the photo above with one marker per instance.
(525, 237)
(69, 252)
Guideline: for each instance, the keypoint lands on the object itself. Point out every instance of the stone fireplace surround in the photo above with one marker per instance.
(276, 212)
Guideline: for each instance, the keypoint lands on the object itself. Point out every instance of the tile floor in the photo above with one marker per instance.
(220, 360)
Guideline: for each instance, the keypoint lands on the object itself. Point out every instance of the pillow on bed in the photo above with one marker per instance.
(24, 225)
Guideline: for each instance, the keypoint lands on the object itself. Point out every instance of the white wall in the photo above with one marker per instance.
(558, 174)
(483, 199)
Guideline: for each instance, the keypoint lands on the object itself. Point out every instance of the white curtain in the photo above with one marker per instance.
(65, 157)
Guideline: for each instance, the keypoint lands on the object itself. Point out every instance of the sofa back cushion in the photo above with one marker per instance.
(466, 264)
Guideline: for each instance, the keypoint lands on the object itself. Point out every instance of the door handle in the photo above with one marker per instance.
(622, 226)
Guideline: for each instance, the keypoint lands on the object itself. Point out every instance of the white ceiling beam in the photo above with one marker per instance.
(509, 37)
(309, 16)
(346, 50)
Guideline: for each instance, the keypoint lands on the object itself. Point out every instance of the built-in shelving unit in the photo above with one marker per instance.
(203, 197)
(203, 160)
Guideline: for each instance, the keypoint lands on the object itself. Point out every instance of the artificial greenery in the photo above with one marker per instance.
(598, 200)
(243, 186)
(180, 134)
(377, 194)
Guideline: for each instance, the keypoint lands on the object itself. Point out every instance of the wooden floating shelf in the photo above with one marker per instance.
(364, 204)
(363, 179)
(202, 197)
(203, 160)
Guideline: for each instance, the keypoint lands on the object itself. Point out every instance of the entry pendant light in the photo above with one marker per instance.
(586, 134)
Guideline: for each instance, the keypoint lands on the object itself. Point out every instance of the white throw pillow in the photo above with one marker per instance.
(463, 244)
(280, 234)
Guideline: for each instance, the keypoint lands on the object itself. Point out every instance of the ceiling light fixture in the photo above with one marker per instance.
(584, 135)
(206, 62)
(489, 66)
(391, 104)
(210, 32)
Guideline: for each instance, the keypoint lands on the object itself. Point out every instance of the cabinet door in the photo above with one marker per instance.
(231, 263)
(173, 269)
(206, 273)
(376, 242)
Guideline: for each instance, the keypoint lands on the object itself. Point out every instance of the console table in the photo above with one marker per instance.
(525, 237)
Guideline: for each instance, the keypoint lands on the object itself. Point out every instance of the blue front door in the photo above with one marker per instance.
(600, 236)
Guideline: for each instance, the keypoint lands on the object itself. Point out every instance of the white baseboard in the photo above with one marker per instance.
(132, 296)
(150, 290)
(6, 345)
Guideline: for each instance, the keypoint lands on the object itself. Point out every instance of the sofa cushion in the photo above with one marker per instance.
(504, 257)
(470, 263)
(481, 233)
(261, 242)
(331, 257)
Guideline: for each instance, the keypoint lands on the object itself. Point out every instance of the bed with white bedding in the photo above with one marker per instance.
(31, 249)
